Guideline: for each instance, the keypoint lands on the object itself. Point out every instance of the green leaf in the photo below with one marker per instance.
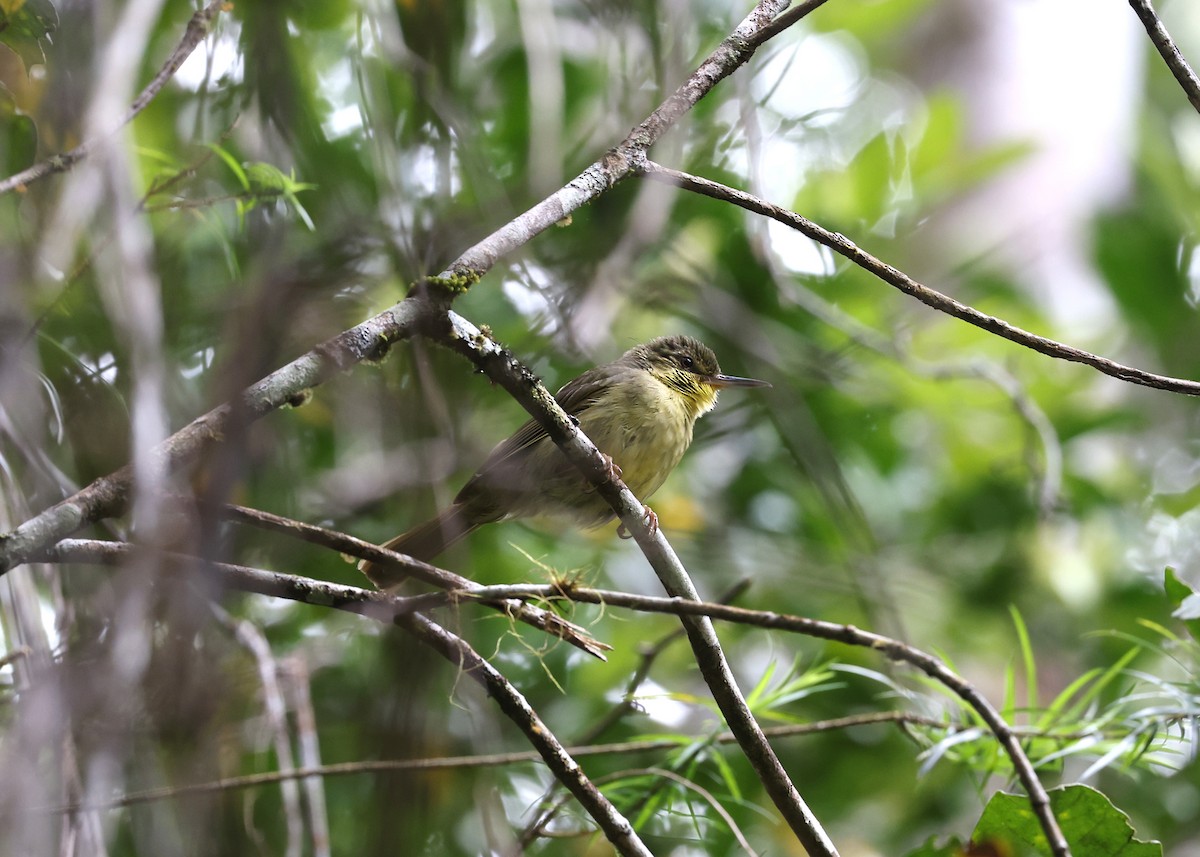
(1092, 826)
(18, 136)
(24, 24)
(1186, 601)
(1176, 589)
(234, 166)
(1027, 656)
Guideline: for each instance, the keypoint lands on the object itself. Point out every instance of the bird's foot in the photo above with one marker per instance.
(648, 516)
(613, 473)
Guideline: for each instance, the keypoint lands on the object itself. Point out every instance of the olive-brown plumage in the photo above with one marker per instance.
(639, 410)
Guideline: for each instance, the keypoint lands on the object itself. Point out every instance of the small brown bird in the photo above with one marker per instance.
(639, 410)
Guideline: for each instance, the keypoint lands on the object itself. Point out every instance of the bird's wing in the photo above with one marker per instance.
(575, 397)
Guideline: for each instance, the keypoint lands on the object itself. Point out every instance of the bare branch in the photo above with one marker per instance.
(198, 27)
(364, 602)
(622, 160)
(894, 277)
(1169, 51)
(489, 760)
(380, 606)
(107, 496)
(615, 826)
(648, 654)
(447, 580)
(463, 337)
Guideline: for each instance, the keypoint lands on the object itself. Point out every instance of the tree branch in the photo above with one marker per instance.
(197, 29)
(846, 634)
(382, 607)
(622, 160)
(489, 760)
(894, 277)
(107, 496)
(1169, 51)
(463, 337)
(352, 599)
(543, 620)
(615, 826)
(647, 655)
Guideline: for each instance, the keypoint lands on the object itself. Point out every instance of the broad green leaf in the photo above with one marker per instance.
(1093, 827)
(24, 24)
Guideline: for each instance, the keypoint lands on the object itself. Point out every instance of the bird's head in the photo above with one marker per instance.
(688, 367)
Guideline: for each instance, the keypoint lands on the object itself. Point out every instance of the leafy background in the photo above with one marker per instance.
(906, 473)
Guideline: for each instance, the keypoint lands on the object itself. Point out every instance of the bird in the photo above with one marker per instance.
(639, 410)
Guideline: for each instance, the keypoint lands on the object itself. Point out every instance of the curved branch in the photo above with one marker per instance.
(846, 634)
(1169, 51)
(843, 246)
(197, 29)
(384, 607)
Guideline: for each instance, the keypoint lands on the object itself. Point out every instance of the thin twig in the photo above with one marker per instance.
(543, 620)
(197, 28)
(704, 793)
(296, 680)
(489, 760)
(275, 710)
(363, 602)
(1168, 50)
(892, 276)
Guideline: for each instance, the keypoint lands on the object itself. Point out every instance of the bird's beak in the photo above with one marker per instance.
(720, 381)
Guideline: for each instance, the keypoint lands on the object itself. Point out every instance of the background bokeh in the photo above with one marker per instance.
(906, 473)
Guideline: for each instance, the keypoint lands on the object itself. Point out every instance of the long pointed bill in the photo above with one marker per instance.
(721, 381)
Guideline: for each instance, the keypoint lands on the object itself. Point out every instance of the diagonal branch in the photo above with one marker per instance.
(108, 496)
(1167, 48)
(894, 277)
(621, 161)
(197, 29)
(461, 336)
(456, 650)
(647, 655)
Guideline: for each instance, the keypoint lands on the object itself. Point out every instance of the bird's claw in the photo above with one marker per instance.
(614, 469)
(613, 472)
(649, 516)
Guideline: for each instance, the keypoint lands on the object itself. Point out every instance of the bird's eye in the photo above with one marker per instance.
(684, 361)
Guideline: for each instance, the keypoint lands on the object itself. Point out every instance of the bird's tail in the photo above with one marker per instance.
(423, 542)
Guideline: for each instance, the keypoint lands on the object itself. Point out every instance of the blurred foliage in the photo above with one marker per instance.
(906, 473)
